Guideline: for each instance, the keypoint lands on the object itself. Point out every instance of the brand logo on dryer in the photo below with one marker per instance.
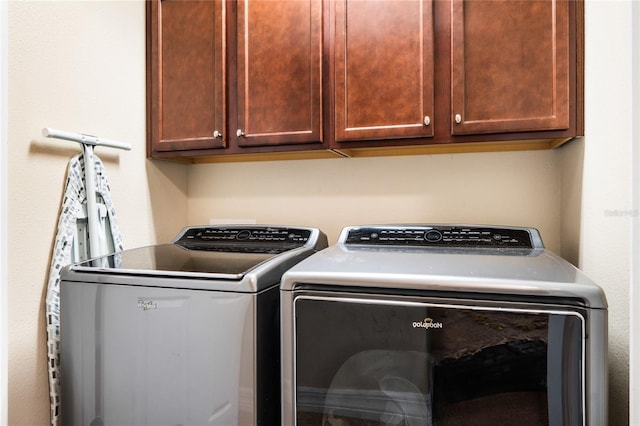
(427, 323)
(145, 305)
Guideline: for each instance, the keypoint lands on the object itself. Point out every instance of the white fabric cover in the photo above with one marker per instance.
(71, 212)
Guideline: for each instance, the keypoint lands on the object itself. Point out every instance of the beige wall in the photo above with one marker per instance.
(515, 188)
(75, 66)
(605, 192)
(79, 66)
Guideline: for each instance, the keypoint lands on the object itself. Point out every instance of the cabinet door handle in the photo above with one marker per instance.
(427, 120)
(458, 118)
(217, 134)
(239, 133)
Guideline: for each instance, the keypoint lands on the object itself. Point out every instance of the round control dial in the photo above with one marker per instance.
(433, 236)
(243, 235)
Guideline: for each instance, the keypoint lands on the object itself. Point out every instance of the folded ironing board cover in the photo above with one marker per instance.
(72, 216)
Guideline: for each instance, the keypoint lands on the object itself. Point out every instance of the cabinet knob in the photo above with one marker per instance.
(427, 120)
(239, 133)
(458, 119)
(217, 134)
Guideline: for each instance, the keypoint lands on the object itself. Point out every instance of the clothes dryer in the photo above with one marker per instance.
(442, 325)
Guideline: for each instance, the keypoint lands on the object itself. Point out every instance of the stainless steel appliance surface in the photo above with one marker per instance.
(184, 333)
(442, 325)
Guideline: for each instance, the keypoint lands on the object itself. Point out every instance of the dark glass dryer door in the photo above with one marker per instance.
(381, 362)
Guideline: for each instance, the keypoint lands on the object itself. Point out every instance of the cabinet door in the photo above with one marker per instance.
(510, 66)
(279, 62)
(185, 78)
(383, 70)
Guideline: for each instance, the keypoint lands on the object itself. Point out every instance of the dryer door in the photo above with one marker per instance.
(375, 361)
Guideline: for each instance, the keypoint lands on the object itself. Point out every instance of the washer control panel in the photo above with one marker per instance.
(443, 236)
(244, 239)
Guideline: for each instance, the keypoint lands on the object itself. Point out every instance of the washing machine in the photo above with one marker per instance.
(442, 325)
(183, 333)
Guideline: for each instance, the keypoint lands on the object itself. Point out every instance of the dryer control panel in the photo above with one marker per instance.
(466, 236)
(254, 239)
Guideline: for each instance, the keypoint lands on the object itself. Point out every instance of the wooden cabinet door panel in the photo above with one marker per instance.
(383, 69)
(279, 72)
(510, 66)
(186, 83)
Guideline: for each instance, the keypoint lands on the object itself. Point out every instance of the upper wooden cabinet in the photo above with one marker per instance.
(232, 77)
(361, 77)
(185, 82)
(383, 69)
(509, 66)
(279, 63)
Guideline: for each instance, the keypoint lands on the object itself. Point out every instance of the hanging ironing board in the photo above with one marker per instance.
(87, 228)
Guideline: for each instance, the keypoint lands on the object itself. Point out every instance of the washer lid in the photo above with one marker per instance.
(214, 252)
(175, 260)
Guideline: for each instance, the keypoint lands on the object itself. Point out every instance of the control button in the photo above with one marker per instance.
(433, 236)
(243, 235)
